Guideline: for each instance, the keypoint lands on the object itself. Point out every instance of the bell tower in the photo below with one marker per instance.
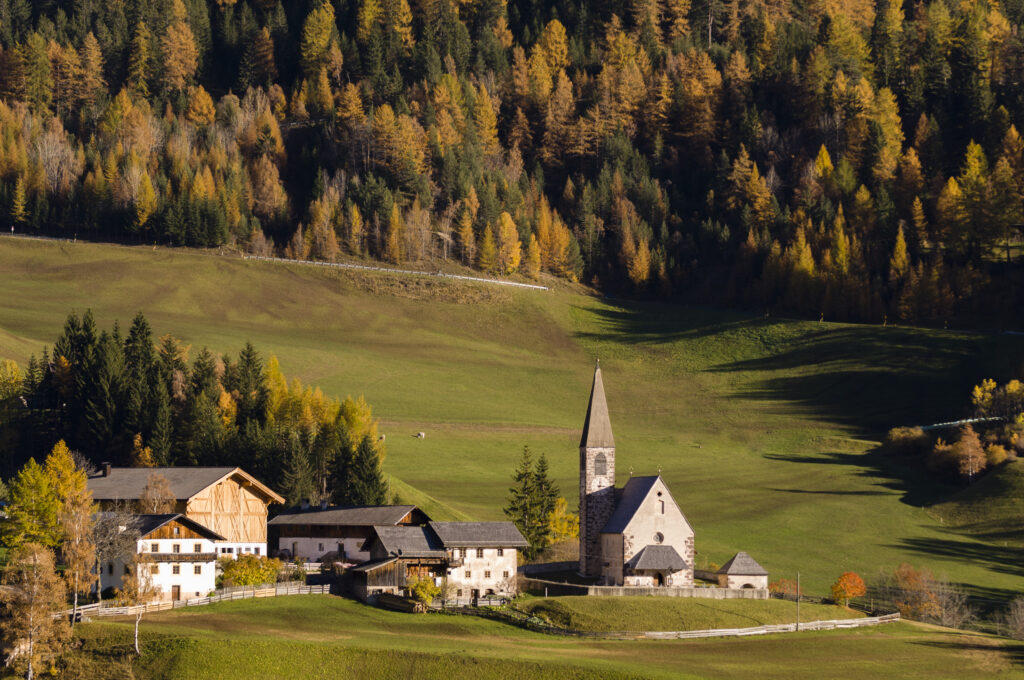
(597, 477)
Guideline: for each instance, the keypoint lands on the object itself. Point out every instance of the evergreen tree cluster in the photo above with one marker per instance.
(134, 400)
(858, 160)
(531, 502)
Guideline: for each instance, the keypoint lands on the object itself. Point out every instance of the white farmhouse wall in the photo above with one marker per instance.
(162, 572)
(740, 581)
(315, 548)
(501, 570)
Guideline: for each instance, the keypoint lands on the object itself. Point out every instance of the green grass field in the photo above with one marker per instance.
(670, 613)
(315, 637)
(762, 427)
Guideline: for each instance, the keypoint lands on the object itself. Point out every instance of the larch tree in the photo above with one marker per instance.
(75, 520)
(93, 84)
(32, 510)
(201, 110)
(486, 123)
(157, 497)
(32, 595)
(487, 252)
(317, 33)
(140, 61)
(137, 590)
(178, 50)
(510, 248)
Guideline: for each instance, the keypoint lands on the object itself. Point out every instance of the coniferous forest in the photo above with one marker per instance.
(858, 160)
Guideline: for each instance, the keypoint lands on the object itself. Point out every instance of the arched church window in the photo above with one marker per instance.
(659, 538)
(600, 465)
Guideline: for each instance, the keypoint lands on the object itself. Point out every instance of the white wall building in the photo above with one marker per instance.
(180, 554)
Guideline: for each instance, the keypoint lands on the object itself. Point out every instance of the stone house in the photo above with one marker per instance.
(181, 556)
(339, 533)
(469, 559)
(741, 571)
(225, 500)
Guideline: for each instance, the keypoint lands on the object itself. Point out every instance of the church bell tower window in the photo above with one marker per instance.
(600, 465)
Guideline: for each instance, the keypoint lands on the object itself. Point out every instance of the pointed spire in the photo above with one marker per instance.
(597, 428)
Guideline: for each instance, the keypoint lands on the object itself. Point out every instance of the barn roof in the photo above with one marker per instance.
(742, 564)
(375, 564)
(658, 557)
(479, 534)
(597, 428)
(406, 541)
(629, 501)
(126, 484)
(361, 515)
(150, 523)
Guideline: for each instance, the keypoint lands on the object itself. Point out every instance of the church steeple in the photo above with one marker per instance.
(597, 478)
(597, 428)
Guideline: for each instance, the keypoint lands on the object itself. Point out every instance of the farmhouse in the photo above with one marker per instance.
(469, 559)
(336, 531)
(226, 500)
(634, 536)
(180, 554)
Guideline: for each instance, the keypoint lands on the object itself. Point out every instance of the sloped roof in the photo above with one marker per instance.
(658, 557)
(597, 427)
(361, 515)
(742, 564)
(406, 541)
(126, 484)
(150, 523)
(629, 501)
(479, 535)
(375, 564)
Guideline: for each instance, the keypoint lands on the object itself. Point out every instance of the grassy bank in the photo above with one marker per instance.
(763, 427)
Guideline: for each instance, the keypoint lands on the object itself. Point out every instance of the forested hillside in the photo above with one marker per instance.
(854, 159)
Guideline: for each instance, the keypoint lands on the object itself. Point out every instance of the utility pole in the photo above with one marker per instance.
(798, 601)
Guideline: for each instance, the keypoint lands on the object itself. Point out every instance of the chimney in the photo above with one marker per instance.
(106, 469)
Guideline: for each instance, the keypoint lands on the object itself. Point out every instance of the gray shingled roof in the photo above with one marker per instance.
(658, 557)
(629, 501)
(742, 564)
(126, 484)
(150, 523)
(597, 428)
(479, 534)
(406, 541)
(370, 566)
(362, 515)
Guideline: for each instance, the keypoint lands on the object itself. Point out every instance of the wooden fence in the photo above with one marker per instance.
(101, 609)
(524, 620)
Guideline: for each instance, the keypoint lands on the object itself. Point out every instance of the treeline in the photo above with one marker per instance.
(858, 160)
(132, 399)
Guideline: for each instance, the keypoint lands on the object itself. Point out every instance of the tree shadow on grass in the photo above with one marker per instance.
(1001, 559)
(905, 476)
(1012, 651)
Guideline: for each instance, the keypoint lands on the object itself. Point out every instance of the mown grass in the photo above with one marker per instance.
(670, 613)
(763, 427)
(327, 637)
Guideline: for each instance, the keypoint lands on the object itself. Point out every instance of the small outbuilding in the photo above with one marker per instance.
(742, 571)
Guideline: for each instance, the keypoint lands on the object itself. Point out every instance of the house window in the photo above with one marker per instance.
(110, 568)
(501, 552)
(504, 574)
(176, 548)
(662, 507)
(256, 551)
(246, 548)
(455, 553)
(154, 569)
(600, 465)
(469, 574)
(479, 552)
(198, 547)
(198, 569)
(177, 531)
(487, 574)
(458, 593)
(320, 547)
(176, 569)
(155, 547)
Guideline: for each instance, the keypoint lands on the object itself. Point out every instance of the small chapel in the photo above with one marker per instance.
(633, 536)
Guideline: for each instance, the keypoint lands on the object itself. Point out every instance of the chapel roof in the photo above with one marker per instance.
(742, 564)
(658, 557)
(629, 502)
(597, 428)
(359, 515)
(479, 535)
(127, 484)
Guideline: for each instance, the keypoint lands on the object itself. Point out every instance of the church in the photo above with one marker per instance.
(633, 536)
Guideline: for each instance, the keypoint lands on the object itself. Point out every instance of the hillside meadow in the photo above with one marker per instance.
(763, 427)
(313, 637)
